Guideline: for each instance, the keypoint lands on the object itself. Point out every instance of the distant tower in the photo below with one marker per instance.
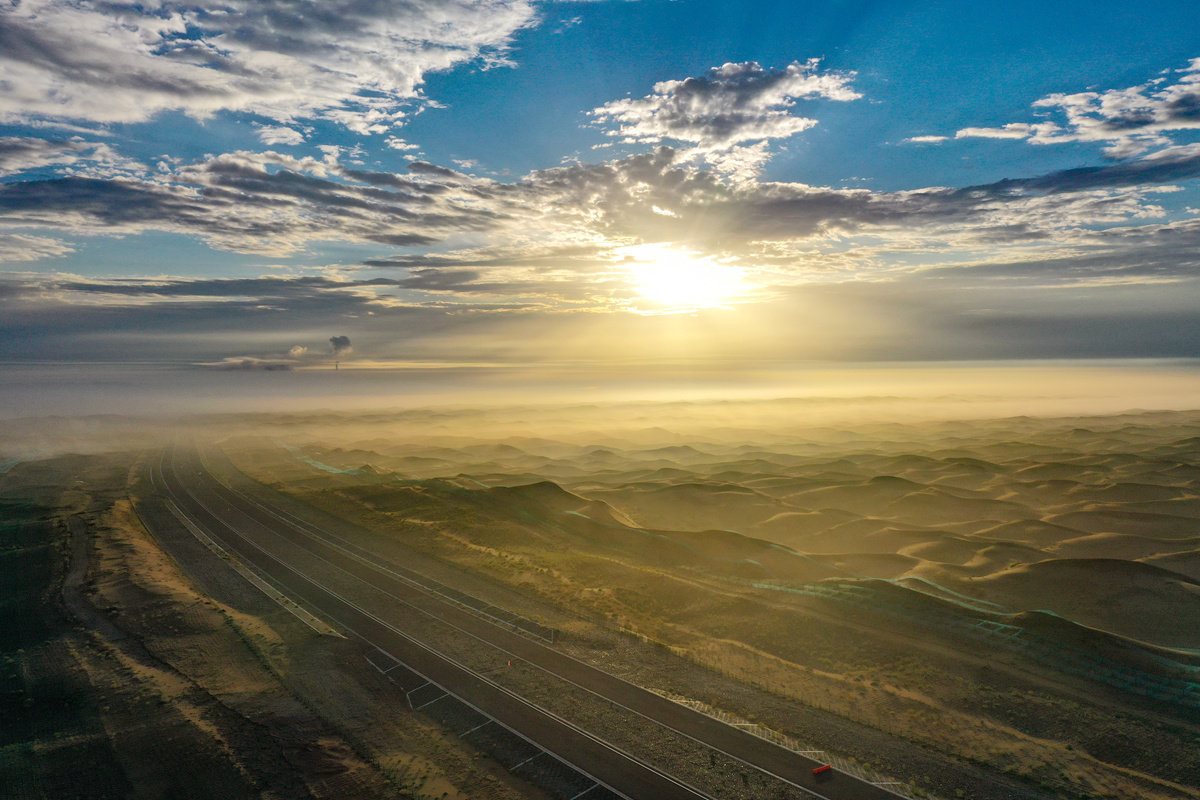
(335, 366)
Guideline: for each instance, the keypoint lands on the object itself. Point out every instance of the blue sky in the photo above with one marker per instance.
(515, 182)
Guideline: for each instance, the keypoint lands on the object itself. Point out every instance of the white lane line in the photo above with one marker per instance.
(495, 686)
(585, 791)
(431, 702)
(516, 767)
(477, 727)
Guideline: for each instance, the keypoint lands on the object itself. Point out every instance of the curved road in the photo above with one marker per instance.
(221, 510)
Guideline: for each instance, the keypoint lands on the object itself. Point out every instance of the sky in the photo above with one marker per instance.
(690, 185)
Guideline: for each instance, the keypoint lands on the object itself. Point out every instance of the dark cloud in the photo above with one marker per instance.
(340, 344)
(1164, 166)
(252, 203)
(425, 168)
(22, 153)
(402, 239)
(440, 280)
(569, 256)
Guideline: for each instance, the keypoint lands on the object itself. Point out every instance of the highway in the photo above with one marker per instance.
(270, 539)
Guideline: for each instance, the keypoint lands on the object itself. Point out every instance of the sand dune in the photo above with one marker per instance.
(1120, 546)
(1035, 532)
(1097, 520)
(1126, 493)
(866, 497)
(1115, 520)
(938, 506)
(694, 505)
(1185, 563)
(791, 527)
(945, 550)
(1138, 600)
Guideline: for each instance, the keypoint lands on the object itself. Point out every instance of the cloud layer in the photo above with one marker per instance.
(516, 265)
(356, 62)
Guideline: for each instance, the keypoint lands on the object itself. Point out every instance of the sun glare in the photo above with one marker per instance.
(673, 280)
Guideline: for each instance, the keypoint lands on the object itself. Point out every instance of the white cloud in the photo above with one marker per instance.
(19, 247)
(729, 113)
(1043, 133)
(1128, 121)
(279, 134)
(352, 61)
(396, 143)
(926, 139)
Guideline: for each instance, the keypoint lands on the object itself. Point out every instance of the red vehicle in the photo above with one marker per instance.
(821, 770)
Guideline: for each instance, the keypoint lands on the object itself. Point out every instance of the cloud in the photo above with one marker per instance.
(425, 168)
(341, 345)
(619, 199)
(553, 232)
(272, 203)
(279, 134)
(972, 310)
(23, 153)
(719, 112)
(19, 247)
(248, 363)
(552, 239)
(1014, 130)
(297, 351)
(256, 203)
(355, 62)
(1128, 121)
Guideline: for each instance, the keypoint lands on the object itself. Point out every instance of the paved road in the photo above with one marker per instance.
(216, 505)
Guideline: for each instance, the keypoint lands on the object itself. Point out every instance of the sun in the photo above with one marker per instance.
(674, 280)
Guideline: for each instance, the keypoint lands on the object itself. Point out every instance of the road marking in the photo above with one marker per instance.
(431, 702)
(526, 761)
(477, 727)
